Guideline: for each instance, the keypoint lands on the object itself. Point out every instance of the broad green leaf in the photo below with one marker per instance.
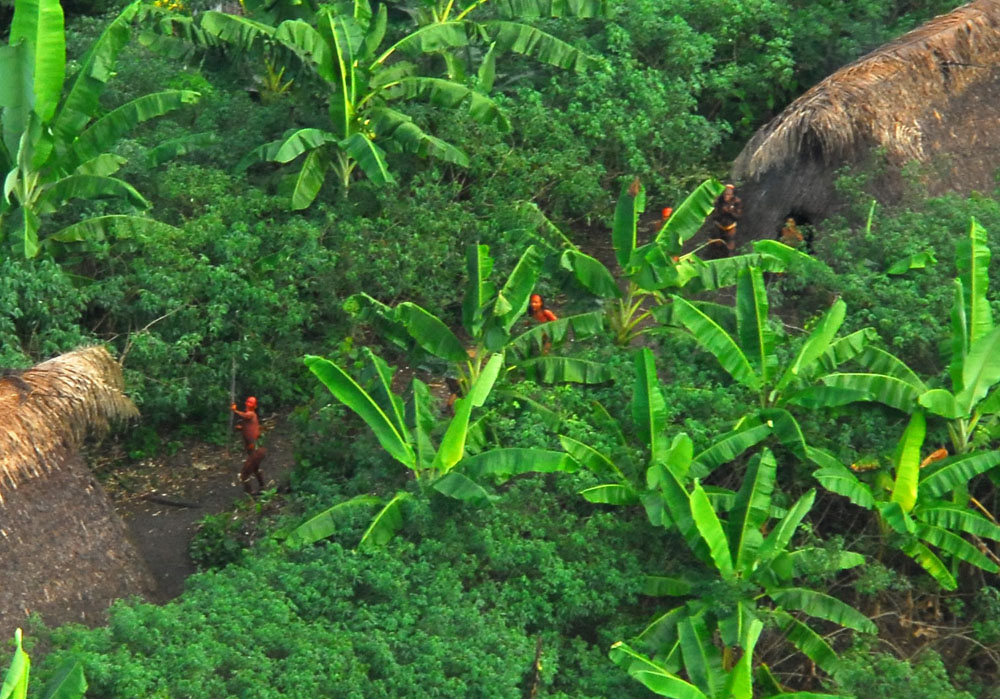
(487, 70)
(711, 530)
(389, 124)
(662, 631)
(631, 203)
(506, 462)
(16, 98)
(423, 423)
(96, 68)
(878, 361)
(531, 41)
(786, 428)
(390, 403)
(665, 586)
(822, 606)
(478, 289)
(242, 32)
(688, 217)
(583, 325)
(679, 507)
(751, 509)
(461, 487)
(980, 371)
(29, 231)
(386, 523)
(945, 476)
(452, 448)
(956, 546)
(678, 458)
(39, 23)
(591, 273)
(431, 333)
(591, 459)
(324, 524)
(884, 389)
(702, 660)
(375, 32)
(739, 685)
(347, 391)
(513, 297)
(315, 50)
(175, 147)
(712, 338)
(430, 38)
(87, 187)
(549, 370)
(907, 462)
(931, 563)
(102, 227)
(67, 683)
(301, 141)
(105, 132)
(838, 479)
(827, 397)
(816, 344)
(918, 260)
(755, 337)
(723, 272)
(649, 409)
(957, 519)
(657, 679)
(310, 180)
(452, 95)
(808, 641)
(370, 158)
(972, 258)
(726, 448)
(610, 494)
(788, 256)
(893, 515)
(846, 348)
(15, 682)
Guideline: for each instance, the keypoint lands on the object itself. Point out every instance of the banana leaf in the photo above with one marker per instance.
(423, 424)
(980, 371)
(710, 528)
(751, 510)
(631, 203)
(972, 258)
(15, 682)
(754, 336)
(310, 179)
(712, 338)
(591, 273)
(665, 586)
(927, 560)
(688, 217)
(87, 187)
(812, 645)
(591, 459)
(726, 448)
(655, 678)
(537, 9)
(531, 41)
(67, 683)
(452, 95)
(399, 129)
(822, 606)
(430, 38)
(506, 462)
(102, 227)
(460, 487)
(816, 344)
(551, 370)
(241, 32)
(945, 476)
(478, 288)
(954, 518)
(512, 300)
(918, 260)
(431, 333)
(649, 409)
(610, 494)
(583, 325)
(881, 388)
(324, 524)
(40, 24)
(370, 158)
(452, 448)
(838, 479)
(907, 462)
(955, 546)
(702, 659)
(386, 523)
(174, 147)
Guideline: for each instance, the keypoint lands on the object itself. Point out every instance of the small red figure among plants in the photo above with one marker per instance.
(249, 426)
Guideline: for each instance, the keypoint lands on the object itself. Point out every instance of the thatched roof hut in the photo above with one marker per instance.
(931, 97)
(64, 551)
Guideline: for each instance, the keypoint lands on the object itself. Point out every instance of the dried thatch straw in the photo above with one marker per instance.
(46, 411)
(885, 99)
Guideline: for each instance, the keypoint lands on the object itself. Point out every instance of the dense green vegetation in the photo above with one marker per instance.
(695, 492)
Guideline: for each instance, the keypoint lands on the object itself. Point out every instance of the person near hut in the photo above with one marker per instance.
(727, 213)
(541, 314)
(249, 427)
(790, 234)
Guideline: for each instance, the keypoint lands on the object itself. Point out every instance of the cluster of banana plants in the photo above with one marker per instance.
(489, 318)
(650, 269)
(913, 505)
(55, 136)
(452, 466)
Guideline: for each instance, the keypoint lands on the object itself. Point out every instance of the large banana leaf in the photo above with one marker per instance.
(452, 448)
(944, 476)
(649, 409)
(301, 141)
(896, 518)
(980, 371)
(391, 125)
(536, 9)
(386, 523)
(751, 510)
(310, 179)
(972, 258)
(583, 325)
(678, 503)
(838, 479)
(68, 682)
(324, 524)
(366, 309)
(959, 336)
(610, 494)
(15, 682)
(631, 203)
(174, 147)
(710, 528)
(513, 297)
(822, 606)
(591, 459)
(566, 370)
(104, 132)
(712, 338)
(432, 37)
(348, 392)
(102, 227)
(531, 41)
(727, 448)
(884, 389)
(702, 659)
(15, 101)
(452, 95)
(878, 361)
(370, 158)
(664, 586)
(591, 273)
(87, 187)
(656, 678)
(927, 560)
(739, 684)
(943, 403)
(846, 348)
(755, 337)
(241, 32)
(506, 462)
(478, 288)
(907, 462)
(955, 546)
(316, 50)
(39, 23)
(958, 519)
(808, 641)
(723, 272)
(816, 344)
(688, 217)
(381, 390)
(431, 333)
(96, 68)
(461, 487)
(779, 537)
(423, 424)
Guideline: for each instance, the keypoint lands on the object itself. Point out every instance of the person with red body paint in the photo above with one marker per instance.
(543, 315)
(249, 426)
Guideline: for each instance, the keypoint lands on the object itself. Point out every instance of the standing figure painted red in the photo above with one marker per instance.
(249, 426)
(536, 306)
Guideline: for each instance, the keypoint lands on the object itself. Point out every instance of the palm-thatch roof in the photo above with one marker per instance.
(932, 96)
(65, 552)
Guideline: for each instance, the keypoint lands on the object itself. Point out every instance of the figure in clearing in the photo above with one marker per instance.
(249, 426)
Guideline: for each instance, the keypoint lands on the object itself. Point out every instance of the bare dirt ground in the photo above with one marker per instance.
(163, 499)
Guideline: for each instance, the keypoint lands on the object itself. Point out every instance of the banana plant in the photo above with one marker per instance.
(54, 137)
(67, 683)
(696, 644)
(627, 483)
(748, 351)
(660, 264)
(408, 437)
(913, 504)
(344, 50)
(489, 317)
